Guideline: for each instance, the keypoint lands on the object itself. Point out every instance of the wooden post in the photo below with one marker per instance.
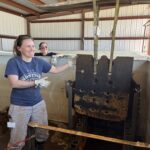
(145, 28)
(143, 39)
(96, 22)
(148, 52)
(1, 44)
(82, 30)
(113, 36)
(28, 27)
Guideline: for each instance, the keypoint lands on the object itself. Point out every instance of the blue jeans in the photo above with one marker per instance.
(21, 115)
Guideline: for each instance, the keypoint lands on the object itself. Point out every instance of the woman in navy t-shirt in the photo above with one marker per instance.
(24, 73)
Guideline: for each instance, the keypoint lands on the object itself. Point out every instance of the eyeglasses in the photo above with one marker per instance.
(43, 47)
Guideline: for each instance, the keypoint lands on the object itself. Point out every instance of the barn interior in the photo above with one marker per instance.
(104, 95)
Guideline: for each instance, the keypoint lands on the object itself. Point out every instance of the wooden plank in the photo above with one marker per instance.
(91, 19)
(17, 5)
(121, 18)
(37, 2)
(57, 21)
(91, 38)
(82, 31)
(69, 38)
(28, 28)
(66, 2)
(57, 14)
(113, 36)
(8, 36)
(10, 11)
(95, 27)
(120, 38)
(148, 47)
(88, 135)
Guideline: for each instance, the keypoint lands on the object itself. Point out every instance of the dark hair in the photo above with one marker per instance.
(18, 42)
(41, 44)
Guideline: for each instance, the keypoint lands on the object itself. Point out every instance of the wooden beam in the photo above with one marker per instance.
(62, 0)
(67, 2)
(91, 19)
(148, 48)
(56, 14)
(82, 31)
(149, 45)
(62, 13)
(22, 7)
(8, 36)
(1, 44)
(113, 33)
(37, 2)
(56, 21)
(59, 39)
(119, 38)
(91, 38)
(121, 18)
(28, 28)
(10, 11)
(89, 135)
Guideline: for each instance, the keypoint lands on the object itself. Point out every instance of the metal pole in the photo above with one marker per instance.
(96, 22)
(113, 36)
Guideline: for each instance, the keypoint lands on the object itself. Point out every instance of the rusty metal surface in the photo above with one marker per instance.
(100, 96)
(121, 74)
(110, 106)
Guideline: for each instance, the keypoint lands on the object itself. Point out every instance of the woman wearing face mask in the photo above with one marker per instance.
(24, 73)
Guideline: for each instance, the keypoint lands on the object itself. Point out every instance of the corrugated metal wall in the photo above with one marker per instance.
(61, 44)
(11, 25)
(71, 29)
(125, 28)
(59, 30)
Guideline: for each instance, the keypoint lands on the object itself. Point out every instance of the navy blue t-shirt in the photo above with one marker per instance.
(28, 71)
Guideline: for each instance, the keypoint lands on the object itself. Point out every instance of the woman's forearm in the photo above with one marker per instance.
(59, 68)
(22, 84)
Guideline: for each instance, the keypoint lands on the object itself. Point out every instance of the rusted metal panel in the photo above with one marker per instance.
(109, 107)
(99, 96)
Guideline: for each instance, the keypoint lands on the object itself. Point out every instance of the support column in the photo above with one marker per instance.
(149, 43)
(95, 29)
(82, 30)
(28, 28)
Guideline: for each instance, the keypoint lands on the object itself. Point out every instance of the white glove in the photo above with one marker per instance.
(54, 59)
(70, 63)
(60, 55)
(42, 82)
